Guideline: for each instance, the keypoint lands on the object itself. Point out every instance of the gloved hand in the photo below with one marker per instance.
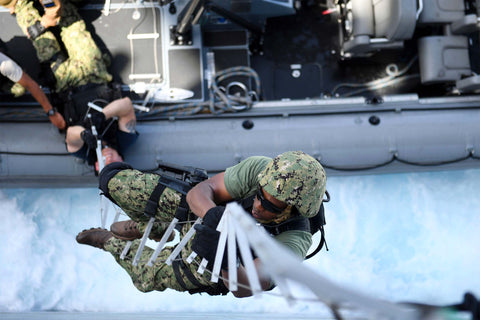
(206, 238)
(205, 245)
(89, 139)
(35, 30)
(213, 216)
(98, 120)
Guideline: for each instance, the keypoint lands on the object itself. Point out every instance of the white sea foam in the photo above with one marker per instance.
(402, 237)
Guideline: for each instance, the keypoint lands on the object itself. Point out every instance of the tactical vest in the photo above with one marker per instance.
(74, 102)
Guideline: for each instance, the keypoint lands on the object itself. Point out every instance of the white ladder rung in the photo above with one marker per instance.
(144, 76)
(139, 36)
(182, 243)
(148, 229)
(125, 250)
(162, 242)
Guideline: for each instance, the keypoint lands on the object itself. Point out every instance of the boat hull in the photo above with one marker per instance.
(348, 136)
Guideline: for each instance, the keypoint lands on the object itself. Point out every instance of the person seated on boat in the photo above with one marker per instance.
(80, 62)
(116, 135)
(14, 80)
(286, 189)
(76, 72)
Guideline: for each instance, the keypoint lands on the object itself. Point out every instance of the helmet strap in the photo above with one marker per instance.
(279, 218)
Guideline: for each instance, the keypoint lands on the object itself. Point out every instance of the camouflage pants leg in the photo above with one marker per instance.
(131, 190)
(159, 276)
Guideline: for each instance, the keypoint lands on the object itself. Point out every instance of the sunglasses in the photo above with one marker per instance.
(267, 205)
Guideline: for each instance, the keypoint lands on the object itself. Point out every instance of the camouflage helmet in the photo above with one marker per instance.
(7, 3)
(296, 179)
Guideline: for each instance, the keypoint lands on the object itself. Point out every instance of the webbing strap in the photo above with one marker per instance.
(180, 264)
(172, 183)
(188, 273)
(182, 213)
(57, 59)
(150, 211)
(218, 289)
(320, 244)
(175, 184)
(300, 223)
(178, 275)
(152, 202)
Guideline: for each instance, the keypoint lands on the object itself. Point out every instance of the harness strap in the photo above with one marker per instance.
(188, 273)
(219, 289)
(179, 266)
(182, 213)
(57, 59)
(175, 184)
(152, 203)
(299, 223)
(302, 224)
(178, 275)
(322, 243)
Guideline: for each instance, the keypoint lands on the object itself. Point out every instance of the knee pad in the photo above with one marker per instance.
(108, 173)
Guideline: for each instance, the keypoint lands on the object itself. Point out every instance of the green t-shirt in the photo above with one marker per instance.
(242, 181)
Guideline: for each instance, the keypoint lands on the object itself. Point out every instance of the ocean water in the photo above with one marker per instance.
(155, 316)
(399, 237)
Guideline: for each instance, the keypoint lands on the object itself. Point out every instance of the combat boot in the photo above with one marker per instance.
(95, 237)
(127, 230)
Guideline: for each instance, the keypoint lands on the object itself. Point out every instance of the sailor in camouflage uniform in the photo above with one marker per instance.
(287, 188)
(84, 64)
(77, 74)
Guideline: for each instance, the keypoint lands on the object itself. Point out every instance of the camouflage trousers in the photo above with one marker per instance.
(85, 63)
(131, 189)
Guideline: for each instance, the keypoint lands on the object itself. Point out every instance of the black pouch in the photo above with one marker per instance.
(77, 100)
